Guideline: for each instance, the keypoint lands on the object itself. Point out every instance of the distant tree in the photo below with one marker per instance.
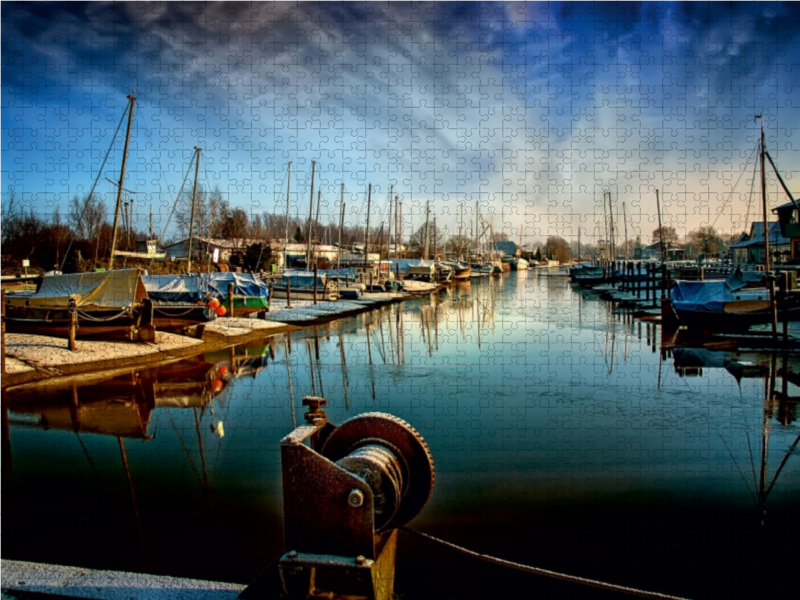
(558, 248)
(706, 240)
(668, 233)
(298, 236)
(257, 257)
(537, 256)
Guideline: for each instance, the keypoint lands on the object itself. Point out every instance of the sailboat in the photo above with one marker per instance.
(718, 306)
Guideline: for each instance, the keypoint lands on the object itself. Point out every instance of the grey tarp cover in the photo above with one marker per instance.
(109, 289)
(706, 295)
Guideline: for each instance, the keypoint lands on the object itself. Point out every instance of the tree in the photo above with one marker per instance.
(257, 257)
(558, 248)
(669, 235)
(706, 240)
(87, 218)
(537, 255)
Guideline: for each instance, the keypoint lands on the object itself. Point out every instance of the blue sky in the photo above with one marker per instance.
(532, 110)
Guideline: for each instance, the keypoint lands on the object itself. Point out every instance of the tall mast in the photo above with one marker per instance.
(764, 198)
(132, 100)
(310, 215)
(286, 226)
(611, 220)
(477, 226)
(194, 200)
(460, 234)
(400, 221)
(427, 228)
(389, 232)
(660, 229)
(625, 221)
(366, 229)
(341, 226)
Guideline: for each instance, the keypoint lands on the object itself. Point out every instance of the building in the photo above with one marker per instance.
(508, 249)
(789, 220)
(749, 247)
(203, 248)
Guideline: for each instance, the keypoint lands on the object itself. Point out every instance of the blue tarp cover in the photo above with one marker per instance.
(304, 279)
(706, 295)
(175, 288)
(244, 284)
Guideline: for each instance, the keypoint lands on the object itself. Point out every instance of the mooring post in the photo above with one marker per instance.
(3, 332)
(73, 323)
(288, 293)
(230, 300)
(269, 298)
(315, 283)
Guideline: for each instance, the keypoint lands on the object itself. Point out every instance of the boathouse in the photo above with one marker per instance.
(789, 221)
(749, 247)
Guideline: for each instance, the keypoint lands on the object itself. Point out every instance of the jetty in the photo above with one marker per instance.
(31, 359)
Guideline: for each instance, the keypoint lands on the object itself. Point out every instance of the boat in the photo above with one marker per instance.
(422, 270)
(725, 305)
(300, 284)
(414, 286)
(519, 264)
(109, 304)
(250, 294)
(179, 300)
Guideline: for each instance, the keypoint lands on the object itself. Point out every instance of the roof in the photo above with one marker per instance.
(756, 237)
(226, 244)
(787, 205)
(509, 248)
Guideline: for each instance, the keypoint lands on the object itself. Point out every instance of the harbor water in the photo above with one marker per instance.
(563, 437)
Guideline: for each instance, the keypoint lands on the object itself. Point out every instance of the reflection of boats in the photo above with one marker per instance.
(107, 304)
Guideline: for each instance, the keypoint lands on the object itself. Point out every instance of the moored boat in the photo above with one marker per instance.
(107, 304)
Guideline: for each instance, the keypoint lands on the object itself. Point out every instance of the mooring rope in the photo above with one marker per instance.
(538, 571)
(87, 317)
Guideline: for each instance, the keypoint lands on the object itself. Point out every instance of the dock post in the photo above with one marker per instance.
(270, 296)
(315, 283)
(73, 324)
(288, 294)
(3, 332)
(230, 300)
(639, 280)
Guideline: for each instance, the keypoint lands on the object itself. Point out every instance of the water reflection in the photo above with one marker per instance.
(551, 415)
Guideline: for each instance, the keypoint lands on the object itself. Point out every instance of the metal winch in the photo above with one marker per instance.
(345, 490)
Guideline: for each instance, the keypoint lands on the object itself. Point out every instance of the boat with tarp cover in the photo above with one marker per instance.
(108, 304)
(250, 294)
(725, 305)
(180, 300)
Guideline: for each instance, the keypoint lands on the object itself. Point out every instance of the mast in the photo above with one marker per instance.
(389, 229)
(341, 225)
(764, 199)
(625, 221)
(132, 100)
(660, 229)
(459, 257)
(427, 228)
(310, 215)
(366, 229)
(194, 199)
(611, 221)
(400, 220)
(286, 227)
(477, 227)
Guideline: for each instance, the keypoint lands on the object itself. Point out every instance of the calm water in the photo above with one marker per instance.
(562, 437)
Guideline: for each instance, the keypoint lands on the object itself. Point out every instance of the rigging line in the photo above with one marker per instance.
(733, 189)
(185, 449)
(540, 571)
(94, 185)
(752, 462)
(178, 197)
(266, 228)
(752, 185)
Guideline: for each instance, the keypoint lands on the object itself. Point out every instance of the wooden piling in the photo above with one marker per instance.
(3, 332)
(73, 324)
(288, 293)
(315, 283)
(270, 297)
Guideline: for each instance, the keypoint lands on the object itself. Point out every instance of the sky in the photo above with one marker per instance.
(530, 110)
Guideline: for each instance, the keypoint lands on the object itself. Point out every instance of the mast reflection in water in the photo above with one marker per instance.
(563, 438)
